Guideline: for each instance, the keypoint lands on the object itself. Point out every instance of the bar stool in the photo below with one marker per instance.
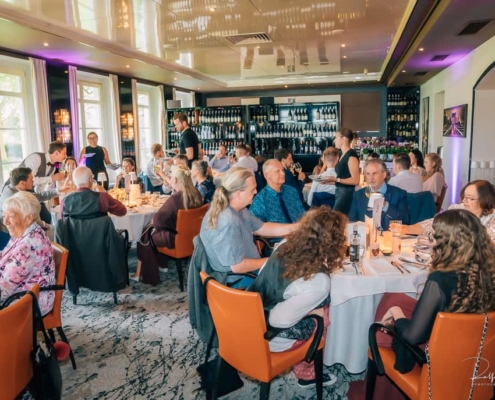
(474, 169)
(492, 172)
(484, 165)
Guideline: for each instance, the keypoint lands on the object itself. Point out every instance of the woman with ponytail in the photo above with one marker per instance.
(164, 222)
(228, 227)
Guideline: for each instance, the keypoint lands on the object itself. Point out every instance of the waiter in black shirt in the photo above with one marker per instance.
(189, 143)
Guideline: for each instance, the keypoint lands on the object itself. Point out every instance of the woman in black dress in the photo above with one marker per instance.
(347, 170)
(97, 162)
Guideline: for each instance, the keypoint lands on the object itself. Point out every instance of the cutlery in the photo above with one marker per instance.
(422, 266)
(396, 266)
(362, 269)
(355, 267)
(404, 268)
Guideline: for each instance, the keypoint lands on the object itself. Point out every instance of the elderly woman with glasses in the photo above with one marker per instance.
(27, 259)
(204, 181)
(478, 197)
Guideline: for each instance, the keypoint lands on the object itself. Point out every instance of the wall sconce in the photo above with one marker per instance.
(62, 117)
(127, 126)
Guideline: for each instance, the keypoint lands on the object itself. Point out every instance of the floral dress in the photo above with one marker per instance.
(26, 261)
(488, 221)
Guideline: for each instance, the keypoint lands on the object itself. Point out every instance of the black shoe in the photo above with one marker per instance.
(328, 380)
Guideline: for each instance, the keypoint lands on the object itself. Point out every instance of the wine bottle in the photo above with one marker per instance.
(318, 115)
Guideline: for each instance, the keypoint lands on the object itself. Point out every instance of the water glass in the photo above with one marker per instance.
(395, 227)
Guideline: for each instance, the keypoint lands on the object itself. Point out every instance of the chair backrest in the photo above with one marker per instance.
(441, 198)
(453, 349)
(240, 325)
(16, 343)
(60, 256)
(421, 206)
(188, 226)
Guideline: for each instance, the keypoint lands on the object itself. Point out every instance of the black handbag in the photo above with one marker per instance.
(228, 379)
(47, 377)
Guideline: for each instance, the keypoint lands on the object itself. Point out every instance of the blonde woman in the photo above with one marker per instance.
(434, 180)
(185, 197)
(228, 227)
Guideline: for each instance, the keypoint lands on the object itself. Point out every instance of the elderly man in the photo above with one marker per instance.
(395, 206)
(277, 202)
(85, 203)
(220, 162)
(22, 179)
(404, 179)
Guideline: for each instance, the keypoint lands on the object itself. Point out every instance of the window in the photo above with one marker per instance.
(90, 110)
(144, 123)
(13, 131)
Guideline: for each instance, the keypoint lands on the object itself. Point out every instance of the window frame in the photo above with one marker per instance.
(82, 117)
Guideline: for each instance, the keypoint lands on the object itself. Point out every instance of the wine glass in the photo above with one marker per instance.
(298, 167)
(292, 167)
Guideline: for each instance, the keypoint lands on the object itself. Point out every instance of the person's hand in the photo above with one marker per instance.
(160, 173)
(404, 230)
(331, 180)
(176, 151)
(388, 318)
(58, 176)
(63, 189)
(301, 176)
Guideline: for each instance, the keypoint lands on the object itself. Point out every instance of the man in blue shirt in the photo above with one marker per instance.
(395, 207)
(277, 202)
(220, 162)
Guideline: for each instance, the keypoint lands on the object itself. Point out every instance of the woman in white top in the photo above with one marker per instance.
(295, 282)
(330, 157)
(434, 180)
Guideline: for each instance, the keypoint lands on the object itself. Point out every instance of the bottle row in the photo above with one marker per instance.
(296, 114)
(267, 147)
(210, 116)
(284, 131)
(128, 149)
(411, 116)
(402, 100)
(217, 132)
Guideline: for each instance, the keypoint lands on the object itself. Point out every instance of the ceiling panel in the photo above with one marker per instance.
(303, 40)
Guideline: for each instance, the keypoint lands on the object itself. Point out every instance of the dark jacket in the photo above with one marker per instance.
(97, 253)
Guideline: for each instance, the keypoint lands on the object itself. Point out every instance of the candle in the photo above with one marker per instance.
(135, 193)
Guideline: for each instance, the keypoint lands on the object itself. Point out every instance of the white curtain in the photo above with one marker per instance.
(115, 119)
(74, 110)
(42, 139)
(163, 117)
(136, 123)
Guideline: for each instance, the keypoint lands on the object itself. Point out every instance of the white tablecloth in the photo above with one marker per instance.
(134, 222)
(355, 299)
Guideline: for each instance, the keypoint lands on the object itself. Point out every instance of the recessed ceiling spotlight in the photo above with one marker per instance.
(175, 79)
(342, 45)
(286, 86)
(127, 66)
(344, 57)
(258, 47)
(198, 88)
(46, 44)
(403, 70)
(346, 72)
(66, 72)
(421, 49)
(213, 9)
(358, 77)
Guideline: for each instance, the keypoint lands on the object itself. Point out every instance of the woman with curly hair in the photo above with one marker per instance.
(461, 280)
(295, 282)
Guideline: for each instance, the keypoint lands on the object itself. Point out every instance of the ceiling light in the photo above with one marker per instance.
(346, 72)
(258, 47)
(175, 79)
(286, 86)
(66, 72)
(46, 44)
(403, 70)
(213, 9)
(358, 77)
(198, 88)
(342, 45)
(345, 57)
(421, 49)
(127, 66)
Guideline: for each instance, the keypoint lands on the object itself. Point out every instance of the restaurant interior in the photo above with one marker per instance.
(272, 74)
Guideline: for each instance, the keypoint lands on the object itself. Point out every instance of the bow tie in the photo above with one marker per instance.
(51, 164)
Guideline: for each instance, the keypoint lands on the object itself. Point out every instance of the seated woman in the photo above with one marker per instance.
(27, 259)
(417, 162)
(228, 226)
(128, 166)
(69, 166)
(295, 282)
(477, 197)
(434, 180)
(185, 197)
(461, 280)
(204, 181)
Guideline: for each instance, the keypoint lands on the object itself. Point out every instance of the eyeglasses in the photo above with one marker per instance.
(469, 198)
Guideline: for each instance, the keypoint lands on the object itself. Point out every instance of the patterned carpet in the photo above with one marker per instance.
(144, 348)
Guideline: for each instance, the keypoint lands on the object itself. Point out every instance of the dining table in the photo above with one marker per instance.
(356, 291)
(134, 221)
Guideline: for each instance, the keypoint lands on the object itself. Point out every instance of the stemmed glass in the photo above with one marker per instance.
(297, 167)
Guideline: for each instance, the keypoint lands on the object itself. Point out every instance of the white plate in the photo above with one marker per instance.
(315, 177)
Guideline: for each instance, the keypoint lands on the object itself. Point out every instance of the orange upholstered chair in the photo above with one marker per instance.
(188, 226)
(240, 324)
(53, 320)
(453, 349)
(16, 343)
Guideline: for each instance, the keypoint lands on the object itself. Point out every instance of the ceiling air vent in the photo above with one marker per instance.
(440, 57)
(421, 73)
(474, 27)
(249, 38)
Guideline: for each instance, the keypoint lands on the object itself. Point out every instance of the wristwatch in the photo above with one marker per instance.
(338, 180)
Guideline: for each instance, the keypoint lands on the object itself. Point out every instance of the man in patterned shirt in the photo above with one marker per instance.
(277, 202)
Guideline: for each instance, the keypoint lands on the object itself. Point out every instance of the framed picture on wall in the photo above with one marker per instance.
(425, 112)
(455, 121)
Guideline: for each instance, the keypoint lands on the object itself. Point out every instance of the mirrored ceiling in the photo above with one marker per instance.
(229, 44)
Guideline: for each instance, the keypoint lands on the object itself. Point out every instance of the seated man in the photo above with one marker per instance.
(157, 155)
(404, 179)
(396, 206)
(220, 162)
(252, 160)
(277, 202)
(296, 181)
(243, 158)
(21, 179)
(323, 193)
(84, 203)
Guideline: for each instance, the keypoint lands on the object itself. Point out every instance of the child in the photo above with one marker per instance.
(323, 193)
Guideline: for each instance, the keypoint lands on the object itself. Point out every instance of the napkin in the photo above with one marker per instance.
(381, 266)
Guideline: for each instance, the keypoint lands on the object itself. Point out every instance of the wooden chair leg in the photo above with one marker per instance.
(318, 365)
(264, 390)
(115, 299)
(178, 263)
(214, 392)
(370, 379)
(64, 339)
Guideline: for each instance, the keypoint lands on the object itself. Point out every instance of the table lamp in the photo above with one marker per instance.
(102, 177)
(133, 176)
